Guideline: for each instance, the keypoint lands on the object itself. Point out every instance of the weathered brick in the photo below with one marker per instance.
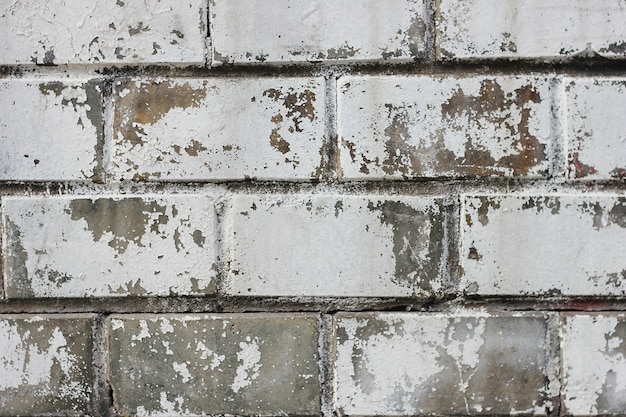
(45, 365)
(298, 31)
(471, 126)
(442, 364)
(531, 29)
(595, 128)
(219, 129)
(335, 246)
(75, 31)
(594, 364)
(551, 244)
(50, 130)
(246, 364)
(104, 246)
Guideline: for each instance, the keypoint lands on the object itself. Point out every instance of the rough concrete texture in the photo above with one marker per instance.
(473, 126)
(443, 364)
(106, 246)
(257, 31)
(45, 365)
(176, 129)
(50, 130)
(476, 29)
(547, 244)
(103, 31)
(595, 128)
(335, 246)
(594, 364)
(247, 364)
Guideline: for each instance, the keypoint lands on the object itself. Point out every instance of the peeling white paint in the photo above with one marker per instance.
(250, 363)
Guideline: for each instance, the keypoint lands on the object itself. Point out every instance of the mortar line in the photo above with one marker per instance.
(332, 171)
(327, 377)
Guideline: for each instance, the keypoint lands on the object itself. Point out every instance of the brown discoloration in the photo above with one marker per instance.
(148, 103)
(618, 173)
(194, 148)
(198, 238)
(473, 254)
(413, 232)
(490, 103)
(126, 219)
(299, 105)
(277, 141)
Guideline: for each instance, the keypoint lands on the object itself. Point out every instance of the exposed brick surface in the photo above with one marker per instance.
(50, 130)
(254, 364)
(336, 246)
(444, 364)
(551, 244)
(106, 246)
(414, 127)
(473, 29)
(73, 31)
(258, 31)
(595, 128)
(594, 363)
(45, 365)
(177, 129)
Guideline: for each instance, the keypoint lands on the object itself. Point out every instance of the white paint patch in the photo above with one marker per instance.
(182, 370)
(250, 363)
(143, 331)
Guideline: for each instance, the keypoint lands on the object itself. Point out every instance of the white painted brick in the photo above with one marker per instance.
(50, 130)
(252, 31)
(468, 126)
(46, 365)
(199, 365)
(594, 364)
(106, 246)
(103, 31)
(219, 129)
(531, 29)
(399, 364)
(595, 128)
(553, 244)
(314, 245)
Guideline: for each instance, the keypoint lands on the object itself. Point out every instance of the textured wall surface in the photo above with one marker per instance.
(313, 208)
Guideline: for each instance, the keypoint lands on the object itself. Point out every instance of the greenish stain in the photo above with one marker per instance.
(127, 219)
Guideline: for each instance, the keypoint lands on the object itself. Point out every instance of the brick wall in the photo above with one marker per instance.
(313, 208)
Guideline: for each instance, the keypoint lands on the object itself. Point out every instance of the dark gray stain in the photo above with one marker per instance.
(414, 231)
(53, 276)
(93, 109)
(130, 289)
(341, 52)
(483, 211)
(618, 48)
(48, 58)
(16, 273)
(127, 219)
(198, 238)
(617, 214)
(338, 207)
(611, 400)
(543, 203)
(618, 173)
(132, 31)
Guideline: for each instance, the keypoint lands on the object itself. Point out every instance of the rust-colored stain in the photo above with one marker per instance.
(579, 169)
(148, 103)
(194, 147)
(414, 158)
(489, 104)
